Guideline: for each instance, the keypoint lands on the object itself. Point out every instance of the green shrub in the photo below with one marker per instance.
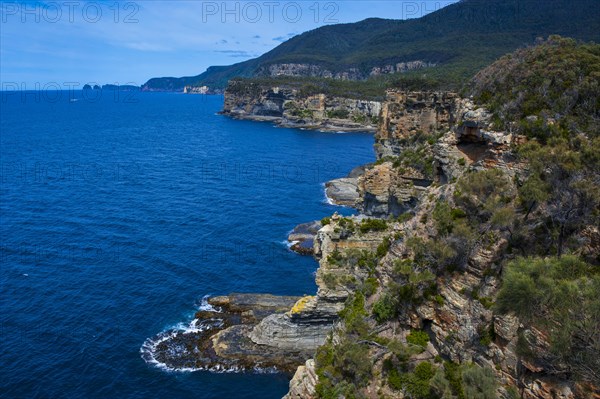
(384, 247)
(370, 286)
(440, 386)
(359, 118)
(452, 373)
(330, 280)
(401, 351)
(439, 300)
(487, 302)
(341, 369)
(372, 225)
(558, 78)
(442, 215)
(479, 383)
(404, 217)
(338, 114)
(368, 260)
(419, 338)
(486, 335)
(353, 362)
(384, 309)
(325, 221)
(347, 224)
(416, 384)
(335, 257)
(417, 156)
(458, 213)
(542, 292)
(480, 194)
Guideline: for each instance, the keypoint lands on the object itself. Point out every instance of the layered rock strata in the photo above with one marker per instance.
(288, 107)
(312, 70)
(461, 324)
(301, 239)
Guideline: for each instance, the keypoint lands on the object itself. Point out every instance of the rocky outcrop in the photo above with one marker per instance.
(318, 71)
(445, 136)
(385, 190)
(247, 331)
(474, 143)
(445, 133)
(197, 90)
(288, 107)
(308, 70)
(283, 339)
(405, 114)
(303, 384)
(218, 337)
(460, 322)
(302, 238)
(344, 191)
(401, 67)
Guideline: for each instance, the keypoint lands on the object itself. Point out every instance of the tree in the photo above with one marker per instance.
(542, 292)
(479, 383)
(563, 186)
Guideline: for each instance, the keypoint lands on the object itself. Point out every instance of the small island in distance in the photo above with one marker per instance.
(112, 87)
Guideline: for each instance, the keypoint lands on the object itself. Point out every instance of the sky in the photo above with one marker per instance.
(128, 42)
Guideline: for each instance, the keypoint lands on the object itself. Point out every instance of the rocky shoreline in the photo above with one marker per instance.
(289, 107)
(328, 125)
(302, 238)
(395, 198)
(218, 339)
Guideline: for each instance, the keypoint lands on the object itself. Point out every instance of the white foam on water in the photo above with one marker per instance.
(326, 199)
(207, 307)
(150, 345)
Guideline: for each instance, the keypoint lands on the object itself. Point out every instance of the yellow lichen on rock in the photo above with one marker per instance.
(300, 305)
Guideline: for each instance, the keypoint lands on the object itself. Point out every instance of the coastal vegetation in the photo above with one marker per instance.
(534, 218)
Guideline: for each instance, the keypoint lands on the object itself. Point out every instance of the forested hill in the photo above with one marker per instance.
(454, 42)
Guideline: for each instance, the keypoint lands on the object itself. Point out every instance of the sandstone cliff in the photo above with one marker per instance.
(430, 266)
(289, 107)
(425, 143)
(313, 70)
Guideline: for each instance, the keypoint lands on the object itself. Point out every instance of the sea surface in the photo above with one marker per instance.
(119, 213)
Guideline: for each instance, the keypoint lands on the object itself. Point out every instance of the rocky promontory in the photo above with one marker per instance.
(219, 337)
(290, 107)
(412, 299)
(302, 238)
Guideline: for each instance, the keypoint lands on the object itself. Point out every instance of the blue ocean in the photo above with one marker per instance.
(119, 213)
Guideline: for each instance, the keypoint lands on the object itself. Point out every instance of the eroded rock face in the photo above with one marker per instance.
(464, 138)
(388, 191)
(302, 385)
(312, 70)
(344, 191)
(286, 107)
(303, 236)
(401, 67)
(404, 114)
(309, 70)
(461, 322)
(218, 337)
